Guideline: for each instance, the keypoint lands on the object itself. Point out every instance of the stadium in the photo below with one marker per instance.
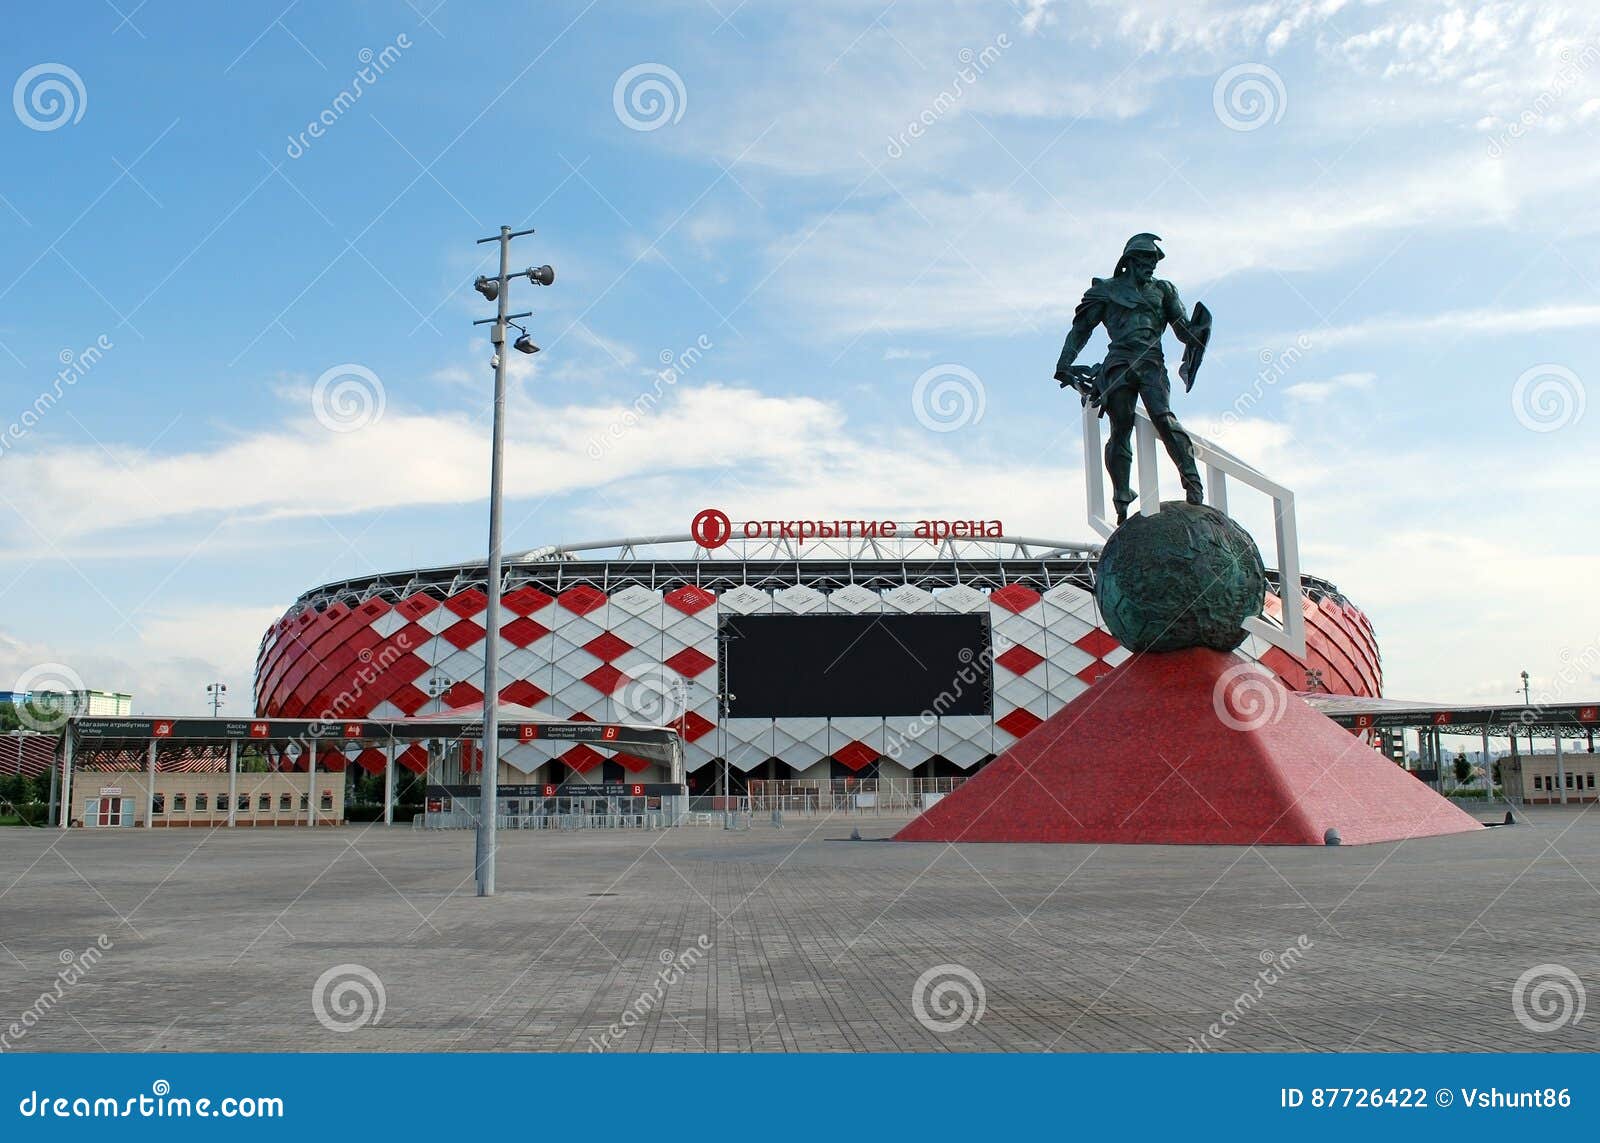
(850, 658)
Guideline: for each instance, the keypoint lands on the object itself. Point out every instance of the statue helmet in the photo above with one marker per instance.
(1140, 244)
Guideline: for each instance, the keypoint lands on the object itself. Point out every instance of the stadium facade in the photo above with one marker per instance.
(835, 658)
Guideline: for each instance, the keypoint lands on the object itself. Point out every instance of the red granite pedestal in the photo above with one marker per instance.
(1193, 747)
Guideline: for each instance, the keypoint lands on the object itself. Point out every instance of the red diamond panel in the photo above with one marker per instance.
(693, 726)
(583, 758)
(416, 606)
(582, 599)
(690, 599)
(468, 602)
(856, 754)
(689, 662)
(521, 692)
(411, 637)
(371, 760)
(409, 699)
(462, 694)
(1014, 597)
(462, 634)
(1019, 660)
(633, 764)
(373, 608)
(1018, 722)
(333, 761)
(414, 758)
(1095, 671)
(524, 631)
(1097, 642)
(525, 600)
(605, 678)
(607, 646)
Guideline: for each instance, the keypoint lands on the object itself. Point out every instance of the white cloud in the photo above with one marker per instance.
(1322, 390)
(166, 666)
(1459, 323)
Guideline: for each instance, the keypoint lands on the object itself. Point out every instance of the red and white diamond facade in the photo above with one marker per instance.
(627, 631)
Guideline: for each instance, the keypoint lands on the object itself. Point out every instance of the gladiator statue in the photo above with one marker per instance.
(1136, 307)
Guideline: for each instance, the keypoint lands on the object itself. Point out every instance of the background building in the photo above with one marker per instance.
(102, 704)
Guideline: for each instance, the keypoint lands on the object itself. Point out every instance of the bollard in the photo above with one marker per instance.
(1332, 837)
(777, 818)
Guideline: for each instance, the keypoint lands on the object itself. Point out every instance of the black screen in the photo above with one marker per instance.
(820, 665)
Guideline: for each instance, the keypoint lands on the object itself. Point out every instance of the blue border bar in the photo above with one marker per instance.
(807, 1097)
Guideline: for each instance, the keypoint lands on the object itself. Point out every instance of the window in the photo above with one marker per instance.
(180, 803)
(285, 803)
(159, 804)
(264, 803)
(305, 803)
(199, 803)
(327, 799)
(1591, 781)
(1538, 782)
(1569, 781)
(244, 803)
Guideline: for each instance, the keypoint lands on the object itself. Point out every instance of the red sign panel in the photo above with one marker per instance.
(527, 732)
(549, 791)
(1443, 718)
(259, 729)
(638, 791)
(609, 733)
(161, 729)
(1363, 721)
(1589, 714)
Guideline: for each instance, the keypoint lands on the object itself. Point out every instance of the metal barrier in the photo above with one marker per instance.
(567, 814)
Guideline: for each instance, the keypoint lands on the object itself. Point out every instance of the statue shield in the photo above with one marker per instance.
(1194, 350)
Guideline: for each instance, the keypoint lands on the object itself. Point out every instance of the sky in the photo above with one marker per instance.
(237, 244)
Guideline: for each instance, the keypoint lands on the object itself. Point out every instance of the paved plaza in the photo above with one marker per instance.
(793, 940)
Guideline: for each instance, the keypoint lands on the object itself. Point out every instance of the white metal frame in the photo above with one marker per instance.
(1220, 464)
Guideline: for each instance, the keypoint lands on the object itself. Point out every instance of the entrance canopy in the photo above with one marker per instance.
(98, 741)
(1564, 720)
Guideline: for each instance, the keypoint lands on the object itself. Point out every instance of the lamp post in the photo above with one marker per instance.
(214, 693)
(1527, 700)
(497, 289)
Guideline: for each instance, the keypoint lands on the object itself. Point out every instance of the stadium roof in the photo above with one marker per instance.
(669, 559)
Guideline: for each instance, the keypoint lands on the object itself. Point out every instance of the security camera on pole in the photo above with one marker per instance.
(498, 289)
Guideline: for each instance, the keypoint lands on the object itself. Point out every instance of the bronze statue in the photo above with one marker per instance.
(1136, 307)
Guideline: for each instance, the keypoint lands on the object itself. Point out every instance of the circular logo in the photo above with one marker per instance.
(54, 691)
(1548, 397)
(1246, 697)
(48, 96)
(711, 528)
(1249, 96)
(347, 997)
(655, 696)
(649, 96)
(948, 997)
(948, 397)
(348, 397)
(1548, 997)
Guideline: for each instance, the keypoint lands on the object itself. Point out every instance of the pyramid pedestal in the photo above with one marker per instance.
(1191, 747)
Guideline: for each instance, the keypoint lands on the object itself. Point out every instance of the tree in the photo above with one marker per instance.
(1463, 768)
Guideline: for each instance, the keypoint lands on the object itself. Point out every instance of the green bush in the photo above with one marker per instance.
(24, 814)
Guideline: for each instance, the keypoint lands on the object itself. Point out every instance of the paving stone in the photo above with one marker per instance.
(217, 940)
